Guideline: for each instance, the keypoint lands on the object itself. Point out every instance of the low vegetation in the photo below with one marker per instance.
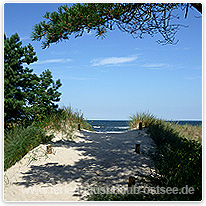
(189, 131)
(20, 138)
(177, 158)
(66, 120)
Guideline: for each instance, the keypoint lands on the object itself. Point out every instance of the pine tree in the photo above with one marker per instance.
(136, 19)
(26, 94)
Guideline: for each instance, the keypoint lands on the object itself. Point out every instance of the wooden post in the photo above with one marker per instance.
(140, 125)
(137, 150)
(79, 127)
(49, 149)
(131, 181)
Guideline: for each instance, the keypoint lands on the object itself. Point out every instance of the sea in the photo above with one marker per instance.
(119, 126)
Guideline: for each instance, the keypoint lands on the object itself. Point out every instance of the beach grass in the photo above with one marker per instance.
(66, 120)
(187, 131)
(178, 157)
(146, 118)
(20, 138)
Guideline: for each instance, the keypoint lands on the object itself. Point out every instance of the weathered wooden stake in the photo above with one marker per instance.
(140, 125)
(49, 149)
(131, 181)
(79, 127)
(137, 150)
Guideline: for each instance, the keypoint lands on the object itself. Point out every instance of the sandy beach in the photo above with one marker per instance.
(75, 167)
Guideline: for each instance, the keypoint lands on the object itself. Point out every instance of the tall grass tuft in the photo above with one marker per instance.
(19, 140)
(145, 117)
(66, 120)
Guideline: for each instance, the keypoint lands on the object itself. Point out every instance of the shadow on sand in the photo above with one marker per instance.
(107, 158)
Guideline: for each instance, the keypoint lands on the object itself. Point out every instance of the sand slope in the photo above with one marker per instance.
(68, 174)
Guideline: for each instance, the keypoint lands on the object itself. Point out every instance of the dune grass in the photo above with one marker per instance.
(20, 138)
(66, 120)
(178, 157)
(145, 117)
(189, 131)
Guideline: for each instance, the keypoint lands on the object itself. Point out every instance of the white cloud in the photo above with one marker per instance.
(154, 65)
(162, 66)
(112, 60)
(193, 78)
(54, 61)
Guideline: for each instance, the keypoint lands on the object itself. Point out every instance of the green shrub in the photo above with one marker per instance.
(178, 160)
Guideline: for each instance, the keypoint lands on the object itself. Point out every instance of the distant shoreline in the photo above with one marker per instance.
(123, 125)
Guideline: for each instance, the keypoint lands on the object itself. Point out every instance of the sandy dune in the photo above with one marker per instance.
(75, 167)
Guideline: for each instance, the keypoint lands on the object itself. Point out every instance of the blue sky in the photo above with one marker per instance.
(118, 76)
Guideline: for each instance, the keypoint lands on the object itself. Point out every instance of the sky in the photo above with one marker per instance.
(118, 76)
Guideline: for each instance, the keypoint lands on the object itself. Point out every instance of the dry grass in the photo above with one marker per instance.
(189, 131)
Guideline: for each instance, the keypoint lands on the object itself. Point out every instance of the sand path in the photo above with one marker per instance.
(74, 167)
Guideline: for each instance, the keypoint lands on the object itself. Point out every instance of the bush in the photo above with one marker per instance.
(178, 160)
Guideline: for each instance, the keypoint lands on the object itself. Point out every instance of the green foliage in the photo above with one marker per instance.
(136, 19)
(19, 140)
(29, 104)
(25, 94)
(177, 157)
(15, 76)
(178, 160)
